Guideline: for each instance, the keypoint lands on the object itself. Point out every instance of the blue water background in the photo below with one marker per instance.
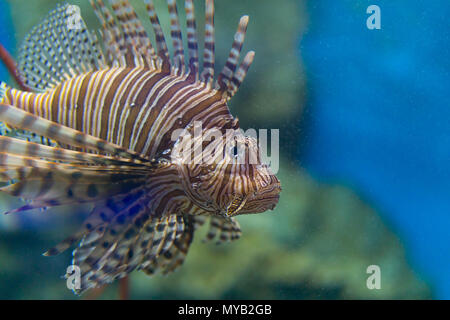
(378, 116)
(6, 35)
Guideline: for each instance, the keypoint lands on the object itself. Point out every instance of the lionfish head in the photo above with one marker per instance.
(266, 194)
(238, 182)
(256, 188)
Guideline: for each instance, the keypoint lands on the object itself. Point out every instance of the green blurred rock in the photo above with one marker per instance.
(316, 244)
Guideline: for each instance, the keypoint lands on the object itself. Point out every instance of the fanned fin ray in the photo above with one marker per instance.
(223, 229)
(207, 75)
(191, 30)
(52, 130)
(121, 235)
(239, 75)
(229, 80)
(51, 176)
(161, 45)
(177, 40)
(53, 52)
(21, 147)
(174, 256)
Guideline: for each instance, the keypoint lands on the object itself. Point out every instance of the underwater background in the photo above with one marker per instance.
(364, 121)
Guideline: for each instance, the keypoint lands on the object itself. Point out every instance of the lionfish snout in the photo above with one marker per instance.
(257, 187)
(265, 197)
(263, 193)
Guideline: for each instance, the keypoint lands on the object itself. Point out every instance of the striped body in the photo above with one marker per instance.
(101, 125)
(136, 108)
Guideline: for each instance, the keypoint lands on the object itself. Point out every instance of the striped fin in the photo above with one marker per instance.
(160, 233)
(164, 235)
(115, 246)
(12, 161)
(20, 147)
(109, 34)
(65, 244)
(112, 247)
(51, 176)
(129, 27)
(52, 130)
(93, 227)
(128, 40)
(226, 81)
(161, 45)
(145, 239)
(174, 257)
(57, 192)
(240, 74)
(207, 75)
(6, 130)
(23, 135)
(177, 40)
(50, 184)
(53, 52)
(102, 251)
(138, 35)
(126, 254)
(224, 229)
(151, 242)
(191, 27)
(115, 43)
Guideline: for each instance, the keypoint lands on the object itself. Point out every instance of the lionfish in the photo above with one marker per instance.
(97, 127)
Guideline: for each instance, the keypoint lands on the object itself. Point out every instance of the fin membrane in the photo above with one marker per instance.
(57, 49)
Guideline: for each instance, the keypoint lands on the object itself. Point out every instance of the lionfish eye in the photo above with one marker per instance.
(235, 151)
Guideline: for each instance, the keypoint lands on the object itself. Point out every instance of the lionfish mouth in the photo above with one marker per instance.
(235, 206)
(261, 201)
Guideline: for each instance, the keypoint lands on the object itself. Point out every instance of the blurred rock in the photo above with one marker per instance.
(317, 244)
